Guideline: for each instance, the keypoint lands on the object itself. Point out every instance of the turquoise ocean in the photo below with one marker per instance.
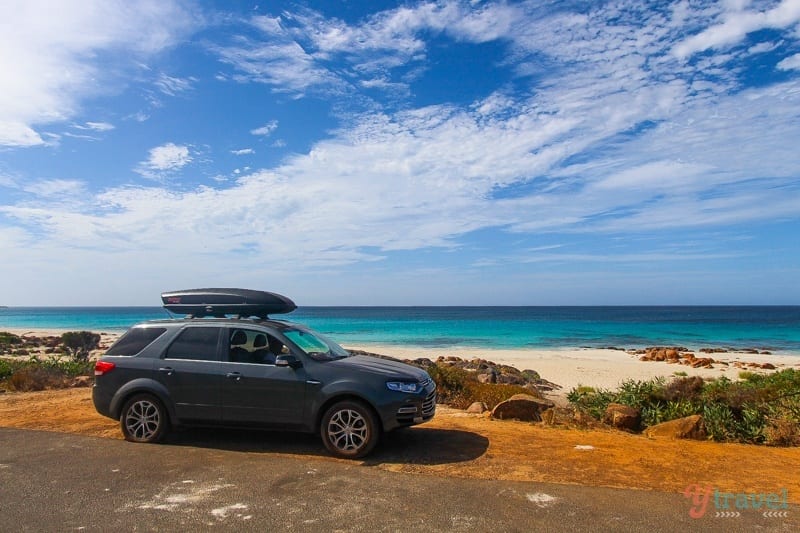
(772, 328)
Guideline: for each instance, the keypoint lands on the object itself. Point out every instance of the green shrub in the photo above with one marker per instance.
(684, 388)
(591, 401)
(450, 382)
(36, 378)
(36, 374)
(6, 369)
(460, 389)
(719, 421)
(79, 344)
(68, 367)
(782, 430)
(750, 424)
(489, 393)
(7, 338)
(639, 394)
(761, 408)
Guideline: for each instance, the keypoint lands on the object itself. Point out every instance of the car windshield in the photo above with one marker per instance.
(316, 345)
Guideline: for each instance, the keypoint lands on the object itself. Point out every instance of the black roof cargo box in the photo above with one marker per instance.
(220, 302)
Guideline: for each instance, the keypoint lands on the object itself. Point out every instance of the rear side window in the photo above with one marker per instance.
(199, 344)
(135, 340)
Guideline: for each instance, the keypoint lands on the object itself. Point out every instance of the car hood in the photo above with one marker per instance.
(382, 367)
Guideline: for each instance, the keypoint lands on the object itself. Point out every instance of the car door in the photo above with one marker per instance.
(190, 369)
(254, 390)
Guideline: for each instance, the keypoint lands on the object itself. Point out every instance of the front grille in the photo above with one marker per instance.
(416, 414)
(429, 405)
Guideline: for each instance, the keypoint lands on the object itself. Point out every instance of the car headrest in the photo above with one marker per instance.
(239, 337)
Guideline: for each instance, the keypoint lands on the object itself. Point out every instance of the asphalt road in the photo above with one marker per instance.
(60, 482)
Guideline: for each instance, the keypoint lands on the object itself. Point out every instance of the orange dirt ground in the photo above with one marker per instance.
(473, 446)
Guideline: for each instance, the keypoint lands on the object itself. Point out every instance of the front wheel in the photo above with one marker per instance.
(349, 430)
(143, 419)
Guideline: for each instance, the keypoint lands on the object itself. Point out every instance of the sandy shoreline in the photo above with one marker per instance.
(569, 368)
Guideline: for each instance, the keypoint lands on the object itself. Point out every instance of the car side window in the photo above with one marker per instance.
(135, 340)
(250, 346)
(195, 343)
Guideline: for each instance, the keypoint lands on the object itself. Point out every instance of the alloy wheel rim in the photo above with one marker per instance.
(347, 430)
(142, 420)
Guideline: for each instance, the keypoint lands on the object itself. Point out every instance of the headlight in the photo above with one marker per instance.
(403, 386)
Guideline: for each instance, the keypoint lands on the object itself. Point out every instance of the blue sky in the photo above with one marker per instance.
(415, 153)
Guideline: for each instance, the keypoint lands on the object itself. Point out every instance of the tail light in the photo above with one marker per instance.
(103, 367)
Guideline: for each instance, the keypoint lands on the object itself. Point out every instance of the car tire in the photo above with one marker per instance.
(144, 419)
(349, 430)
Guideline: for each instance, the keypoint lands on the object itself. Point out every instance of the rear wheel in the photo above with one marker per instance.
(144, 419)
(349, 430)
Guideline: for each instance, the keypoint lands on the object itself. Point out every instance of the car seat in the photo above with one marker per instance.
(261, 353)
(238, 353)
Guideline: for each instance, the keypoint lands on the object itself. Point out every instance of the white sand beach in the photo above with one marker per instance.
(569, 368)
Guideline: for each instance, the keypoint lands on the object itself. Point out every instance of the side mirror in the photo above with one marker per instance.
(288, 360)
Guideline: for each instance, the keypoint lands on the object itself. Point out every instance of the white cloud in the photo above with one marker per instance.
(790, 63)
(94, 126)
(737, 23)
(243, 151)
(48, 53)
(91, 128)
(139, 116)
(762, 48)
(461, 161)
(171, 86)
(168, 157)
(16, 133)
(7, 181)
(293, 50)
(266, 129)
(57, 188)
(164, 159)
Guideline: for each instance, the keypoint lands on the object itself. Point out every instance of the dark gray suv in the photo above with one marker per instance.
(212, 369)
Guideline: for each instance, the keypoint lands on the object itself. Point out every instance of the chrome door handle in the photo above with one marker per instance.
(234, 375)
(166, 370)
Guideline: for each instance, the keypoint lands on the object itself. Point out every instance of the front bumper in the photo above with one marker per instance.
(414, 409)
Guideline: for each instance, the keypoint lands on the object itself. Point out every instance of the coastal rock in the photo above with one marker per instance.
(690, 427)
(680, 355)
(487, 377)
(713, 350)
(548, 416)
(477, 408)
(670, 354)
(511, 379)
(531, 375)
(622, 417)
(522, 407)
(542, 385)
(584, 419)
(698, 362)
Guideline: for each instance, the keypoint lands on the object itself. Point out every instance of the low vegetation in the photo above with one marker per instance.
(460, 388)
(758, 409)
(39, 363)
(34, 373)
(79, 344)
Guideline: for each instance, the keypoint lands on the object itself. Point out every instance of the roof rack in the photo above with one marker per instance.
(199, 303)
